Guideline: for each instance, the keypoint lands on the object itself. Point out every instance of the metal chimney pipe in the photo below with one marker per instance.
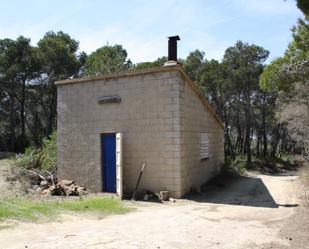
(172, 47)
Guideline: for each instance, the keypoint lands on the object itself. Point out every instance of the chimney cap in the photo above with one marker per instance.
(175, 37)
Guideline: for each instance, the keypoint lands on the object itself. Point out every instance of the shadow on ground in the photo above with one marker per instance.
(237, 190)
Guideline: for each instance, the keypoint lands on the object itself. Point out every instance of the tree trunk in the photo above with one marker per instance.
(275, 140)
(22, 116)
(52, 111)
(228, 146)
(12, 124)
(230, 149)
(264, 127)
(248, 129)
(240, 140)
(36, 128)
(258, 143)
(264, 136)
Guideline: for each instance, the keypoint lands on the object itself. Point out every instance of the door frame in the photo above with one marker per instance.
(118, 162)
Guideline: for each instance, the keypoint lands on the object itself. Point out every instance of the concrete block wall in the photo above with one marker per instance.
(148, 116)
(195, 119)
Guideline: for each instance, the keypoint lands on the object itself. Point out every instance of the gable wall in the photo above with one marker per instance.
(196, 119)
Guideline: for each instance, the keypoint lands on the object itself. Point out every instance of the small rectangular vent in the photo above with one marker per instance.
(204, 143)
(109, 99)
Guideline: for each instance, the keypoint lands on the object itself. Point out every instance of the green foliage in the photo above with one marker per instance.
(289, 76)
(27, 91)
(48, 153)
(42, 210)
(19, 61)
(43, 158)
(303, 5)
(269, 79)
(283, 72)
(107, 60)
(59, 55)
(194, 63)
(231, 86)
(29, 159)
(239, 165)
(288, 158)
(244, 64)
(299, 47)
(157, 63)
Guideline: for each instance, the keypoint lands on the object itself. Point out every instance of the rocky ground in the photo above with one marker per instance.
(252, 211)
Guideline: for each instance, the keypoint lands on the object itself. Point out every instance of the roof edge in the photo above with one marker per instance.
(129, 73)
(200, 95)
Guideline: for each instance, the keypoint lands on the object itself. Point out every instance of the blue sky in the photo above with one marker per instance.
(142, 26)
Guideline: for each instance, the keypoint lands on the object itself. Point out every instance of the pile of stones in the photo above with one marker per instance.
(62, 188)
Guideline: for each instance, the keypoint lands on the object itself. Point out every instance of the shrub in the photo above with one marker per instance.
(29, 159)
(237, 165)
(43, 158)
(48, 153)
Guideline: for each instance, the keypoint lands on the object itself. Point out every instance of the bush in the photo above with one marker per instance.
(237, 166)
(29, 159)
(48, 153)
(43, 158)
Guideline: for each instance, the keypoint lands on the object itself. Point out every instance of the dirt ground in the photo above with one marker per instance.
(11, 187)
(254, 211)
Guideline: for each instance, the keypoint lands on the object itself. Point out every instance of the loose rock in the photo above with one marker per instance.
(66, 182)
(146, 197)
(44, 184)
(69, 188)
(164, 195)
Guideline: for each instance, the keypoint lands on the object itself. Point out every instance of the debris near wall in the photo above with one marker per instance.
(147, 195)
(63, 188)
(20, 181)
(45, 182)
(164, 195)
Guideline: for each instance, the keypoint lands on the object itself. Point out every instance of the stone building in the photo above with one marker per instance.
(109, 125)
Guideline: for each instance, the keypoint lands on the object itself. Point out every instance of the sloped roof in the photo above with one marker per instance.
(130, 73)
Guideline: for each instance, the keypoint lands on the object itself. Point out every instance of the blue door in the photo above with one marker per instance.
(109, 162)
